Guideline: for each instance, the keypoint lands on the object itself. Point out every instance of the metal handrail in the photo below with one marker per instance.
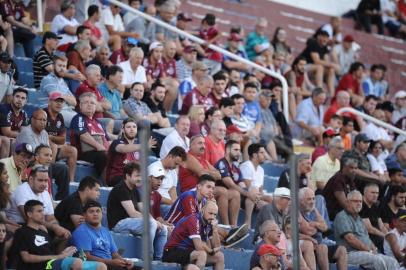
(215, 48)
(371, 119)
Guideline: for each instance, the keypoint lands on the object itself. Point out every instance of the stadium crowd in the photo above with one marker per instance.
(214, 122)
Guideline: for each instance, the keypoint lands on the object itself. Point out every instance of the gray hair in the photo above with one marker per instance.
(86, 95)
(136, 51)
(353, 194)
(91, 69)
(334, 142)
(265, 225)
(303, 191)
(216, 123)
(302, 156)
(103, 47)
(261, 21)
(82, 44)
(348, 161)
(370, 185)
(204, 79)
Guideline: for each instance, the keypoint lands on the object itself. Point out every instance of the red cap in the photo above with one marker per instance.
(348, 38)
(55, 96)
(329, 133)
(269, 249)
(234, 37)
(233, 129)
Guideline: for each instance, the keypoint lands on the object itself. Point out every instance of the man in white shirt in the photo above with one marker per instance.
(178, 137)
(377, 133)
(35, 189)
(169, 164)
(133, 71)
(6, 82)
(65, 24)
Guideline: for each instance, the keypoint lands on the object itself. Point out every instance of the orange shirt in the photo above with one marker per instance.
(347, 141)
(214, 151)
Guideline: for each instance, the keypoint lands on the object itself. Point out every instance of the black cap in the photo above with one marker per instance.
(49, 35)
(91, 204)
(24, 147)
(5, 58)
(361, 137)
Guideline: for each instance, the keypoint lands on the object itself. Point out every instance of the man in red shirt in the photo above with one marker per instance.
(200, 95)
(342, 101)
(195, 165)
(351, 83)
(214, 142)
(168, 59)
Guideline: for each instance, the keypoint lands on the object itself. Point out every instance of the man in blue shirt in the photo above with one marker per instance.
(257, 41)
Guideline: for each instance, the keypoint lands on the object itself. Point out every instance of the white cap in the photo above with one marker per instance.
(154, 45)
(156, 169)
(400, 94)
(282, 192)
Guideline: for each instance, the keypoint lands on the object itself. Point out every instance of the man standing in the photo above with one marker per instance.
(350, 232)
(195, 242)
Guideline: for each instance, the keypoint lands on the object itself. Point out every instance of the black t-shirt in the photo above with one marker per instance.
(115, 211)
(313, 46)
(55, 127)
(372, 213)
(35, 242)
(154, 108)
(387, 215)
(71, 205)
(284, 180)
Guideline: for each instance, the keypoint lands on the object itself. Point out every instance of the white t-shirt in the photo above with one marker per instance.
(21, 195)
(377, 164)
(58, 24)
(170, 180)
(388, 6)
(256, 176)
(129, 76)
(107, 18)
(172, 140)
(401, 240)
(376, 133)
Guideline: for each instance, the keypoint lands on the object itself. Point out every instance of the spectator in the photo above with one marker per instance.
(398, 157)
(42, 61)
(122, 151)
(93, 14)
(154, 99)
(133, 71)
(185, 63)
(240, 120)
(196, 115)
(35, 133)
(344, 54)
(91, 233)
(65, 24)
(277, 210)
(21, 25)
(227, 109)
(309, 117)
(13, 115)
(200, 95)
(304, 168)
(390, 18)
(252, 109)
(280, 45)
(138, 25)
(6, 80)
(102, 60)
(375, 84)
(369, 105)
(219, 88)
(69, 212)
(320, 150)
(36, 189)
(234, 46)
(346, 131)
(336, 190)
(395, 239)
(87, 134)
(325, 166)
(168, 59)
(230, 187)
(378, 133)
(196, 164)
(124, 206)
(311, 227)
(368, 13)
(214, 143)
(351, 82)
(123, 53)
(342, 101)
(170, 165)
(154, 66)
(182, 21)
(257, 41)
(199, 70)
(396, 179)
(400, 105)
(396, 203)
(195, 242)
(32, 235)
(177, 137)
(378, 165)
(350, 232)
(268, 257)
(54, 82)
(317, 55)
(167, 13)
(370, 216)
(17, 163)
(78, 57)
(334, 30)
(111, 90)
(83, 33)
(335, 123)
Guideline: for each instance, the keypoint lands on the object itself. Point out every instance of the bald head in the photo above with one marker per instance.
(343, 99)
(38, 120)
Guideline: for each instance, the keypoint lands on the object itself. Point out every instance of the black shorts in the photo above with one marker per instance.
(331, 251)
(177, 255)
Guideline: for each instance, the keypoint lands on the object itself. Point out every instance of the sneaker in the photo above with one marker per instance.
(236, 235)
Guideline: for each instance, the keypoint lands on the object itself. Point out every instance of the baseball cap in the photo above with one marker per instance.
(55, 96)
(329, 133)
(132, 41)
(199, 65)
(5, 57)
(189, 49)
(184, 17)
(401, 214)
(233, 129)
(400, 94)
(154, 45)
(348, 38)
(24, 147)
(234, 37)
(393, 166)
(282, 192)
(361, 137)
(156, 169)
(91, 204)
(49, 35)
(268, 249)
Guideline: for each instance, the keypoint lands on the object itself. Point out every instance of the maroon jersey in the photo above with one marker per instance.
(170, 67)
(155, 204)
(196, 98)
(55, 127)
(157, 71)
(9, 119)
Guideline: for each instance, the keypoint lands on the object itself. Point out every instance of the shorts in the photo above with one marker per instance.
(331, 251)
(65, 264)
(177, 255)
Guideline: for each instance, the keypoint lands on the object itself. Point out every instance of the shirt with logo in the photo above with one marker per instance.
(186, 204)
(55, 127)
(228, 170)
(9, 119)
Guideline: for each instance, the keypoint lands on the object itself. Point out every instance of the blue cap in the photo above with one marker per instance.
(132, 41)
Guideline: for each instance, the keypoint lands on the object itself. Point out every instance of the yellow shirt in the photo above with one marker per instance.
(324, 168)
(14, 177)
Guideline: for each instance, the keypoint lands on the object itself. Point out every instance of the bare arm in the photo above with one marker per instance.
(394, 246)
(371, 229)
(341, 198)
(355, 243)
(130, 209)
(8, 132)
(194, 165)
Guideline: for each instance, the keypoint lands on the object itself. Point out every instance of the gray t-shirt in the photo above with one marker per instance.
(27, 135)
(145, 29)
(345, 223)
(168, 35)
